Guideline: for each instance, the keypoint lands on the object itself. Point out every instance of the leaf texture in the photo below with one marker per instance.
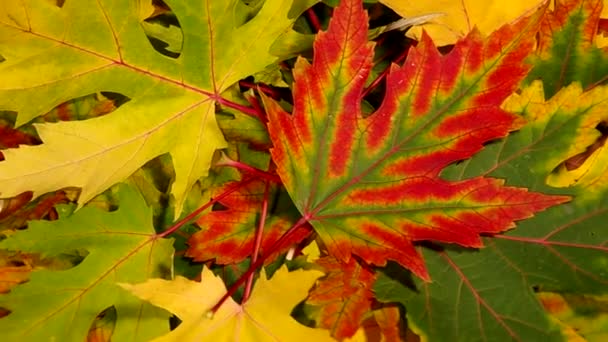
(228, 236)
(344, 295)
(370, 186)
(60, 305)
(51, 56)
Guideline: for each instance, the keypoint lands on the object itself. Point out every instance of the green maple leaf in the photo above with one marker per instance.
(61, 305)
(53, 54)
(370, 185)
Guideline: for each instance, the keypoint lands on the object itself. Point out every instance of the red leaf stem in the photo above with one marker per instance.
(261, 87)
(313, 20)
(177, 225)
(284, 239)
(258, 240)
(246, 110)
(271, 177)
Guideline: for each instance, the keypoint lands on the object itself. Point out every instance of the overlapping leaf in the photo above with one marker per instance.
(562, 249)
(50, 55)
(228, 236)
(370, 185)
(264, 317)
(566, 49)
(61, 305)
(582, 318)
(344, 295)
(567, 126)
(458, 18)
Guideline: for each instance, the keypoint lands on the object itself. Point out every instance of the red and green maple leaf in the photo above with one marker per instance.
(228, 236)
(370, 185)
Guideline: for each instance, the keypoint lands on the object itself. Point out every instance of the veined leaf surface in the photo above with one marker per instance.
(344, 296)
(51, 55)
(370, 186)
(61, 305)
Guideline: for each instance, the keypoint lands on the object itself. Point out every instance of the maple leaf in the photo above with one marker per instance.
(62, 304)
(344, 295)
(264, 317)
(562, 249)
(459, 17)
(228, 236)
(566, 49)
(50, 55)
(370, 186)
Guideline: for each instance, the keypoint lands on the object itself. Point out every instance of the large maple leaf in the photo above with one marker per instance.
(56, 53)
(370, 185)
(264, 317)
(60, 305)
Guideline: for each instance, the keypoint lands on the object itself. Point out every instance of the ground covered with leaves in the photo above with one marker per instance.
(286, 170)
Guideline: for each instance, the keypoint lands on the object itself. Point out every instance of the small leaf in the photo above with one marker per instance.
(344, 295)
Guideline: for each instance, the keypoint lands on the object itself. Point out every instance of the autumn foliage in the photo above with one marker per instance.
(286, 170)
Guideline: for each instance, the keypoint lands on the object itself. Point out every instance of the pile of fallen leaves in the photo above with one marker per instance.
(285, 170)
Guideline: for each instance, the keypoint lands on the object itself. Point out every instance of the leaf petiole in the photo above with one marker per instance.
(301, 224)
(177, 225)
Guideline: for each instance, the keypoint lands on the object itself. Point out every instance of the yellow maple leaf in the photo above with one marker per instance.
(460, 16)
(264, 317)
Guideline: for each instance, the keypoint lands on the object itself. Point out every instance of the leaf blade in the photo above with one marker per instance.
(437, 110)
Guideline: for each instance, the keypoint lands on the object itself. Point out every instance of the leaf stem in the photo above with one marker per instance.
(313, 20)
(250, 170)
(177, 225)
(261, 87)
(246, 110)
(258, 240)
(258, 263)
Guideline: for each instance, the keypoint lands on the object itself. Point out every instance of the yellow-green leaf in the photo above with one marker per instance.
(578, 117)
(56, 53)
